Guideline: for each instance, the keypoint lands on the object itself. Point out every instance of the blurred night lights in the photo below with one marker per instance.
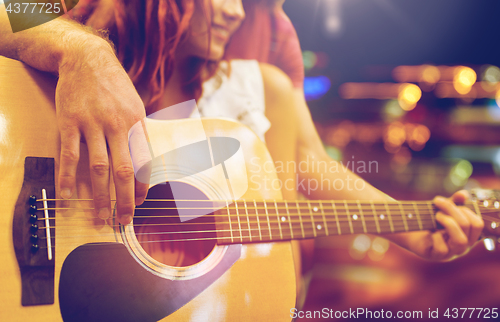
(463, 79)
(491, 74)
(314, 60)
(458, 176)
(309, 58)
(316, 87)
(409, 95)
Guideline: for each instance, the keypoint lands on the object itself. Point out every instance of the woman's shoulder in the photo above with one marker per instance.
(275, 80)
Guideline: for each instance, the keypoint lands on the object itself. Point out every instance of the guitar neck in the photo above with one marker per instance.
(271, 221)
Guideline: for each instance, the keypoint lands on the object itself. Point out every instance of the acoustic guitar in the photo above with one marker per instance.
(231, 261)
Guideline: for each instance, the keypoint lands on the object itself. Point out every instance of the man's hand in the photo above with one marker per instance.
(462, 228)
(97, 103)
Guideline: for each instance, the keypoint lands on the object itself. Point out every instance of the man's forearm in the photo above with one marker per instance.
(50, 45)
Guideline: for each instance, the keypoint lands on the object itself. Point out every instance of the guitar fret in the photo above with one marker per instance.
(336, 217)
(324, 218)
(429, 205)
(418, 215)
(361, 216)
(230, 226)
(413, 217)
(389, 216)
(300, 219)
(476, 207)
(258, 221)
(239, 222)
(289, 220)
(268, 222)
(312, 218)
(375, 216)
(248, 221)
(278, 217)
(403, 215)
(348, 216)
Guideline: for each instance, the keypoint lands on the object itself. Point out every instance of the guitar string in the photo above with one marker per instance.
(367, 212)
(248, 230)
(217, 238)
(223, 212)
(310, 226)
(219, 212)
(276, 224)
(386, 206)
(309, 230)
(307, 208)
(265, 200)
(273, 211)
(235, 240)
(290, 205)
(306, 203)
(246, 222)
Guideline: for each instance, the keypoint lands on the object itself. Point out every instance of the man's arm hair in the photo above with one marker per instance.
(50, 45)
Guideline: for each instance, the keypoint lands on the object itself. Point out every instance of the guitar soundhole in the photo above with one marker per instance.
(162, 234)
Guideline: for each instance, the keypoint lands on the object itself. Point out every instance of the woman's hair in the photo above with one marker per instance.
(146, 34)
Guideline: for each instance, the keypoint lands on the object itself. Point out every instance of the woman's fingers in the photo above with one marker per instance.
(457, 241)
(448, 207)
(462, 226)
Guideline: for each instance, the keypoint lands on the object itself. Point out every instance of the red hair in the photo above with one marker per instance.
(146, 34)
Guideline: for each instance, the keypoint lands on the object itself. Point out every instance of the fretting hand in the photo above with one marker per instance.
(462, 228)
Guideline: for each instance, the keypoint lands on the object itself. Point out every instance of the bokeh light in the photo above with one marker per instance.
(394, 137)
(409, 95)
(491, 74)
(463, 79)
(458, 176)
(316, 87)
(309, 58)
(430, 74)
(418, 135)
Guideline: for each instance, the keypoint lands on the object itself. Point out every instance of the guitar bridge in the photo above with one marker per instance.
(33, 232)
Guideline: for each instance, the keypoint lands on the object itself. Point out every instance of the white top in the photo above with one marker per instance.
(236, 92)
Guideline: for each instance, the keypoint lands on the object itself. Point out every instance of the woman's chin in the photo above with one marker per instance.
(216, 53)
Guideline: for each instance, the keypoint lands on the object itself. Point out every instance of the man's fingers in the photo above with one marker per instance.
(70, 154)
(141, 159)
(123, 174)
(141, 191)
(99, 174)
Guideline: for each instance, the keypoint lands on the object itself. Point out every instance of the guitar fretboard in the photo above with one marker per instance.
(266, 221)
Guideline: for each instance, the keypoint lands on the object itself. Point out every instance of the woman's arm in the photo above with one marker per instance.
(95, 101)
(462, 227)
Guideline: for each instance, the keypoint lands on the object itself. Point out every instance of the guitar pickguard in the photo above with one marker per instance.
(103, 282)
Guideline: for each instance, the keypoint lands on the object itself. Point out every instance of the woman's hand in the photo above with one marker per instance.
(462, 228)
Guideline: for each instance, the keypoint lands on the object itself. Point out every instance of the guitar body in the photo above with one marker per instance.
(94, 263)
